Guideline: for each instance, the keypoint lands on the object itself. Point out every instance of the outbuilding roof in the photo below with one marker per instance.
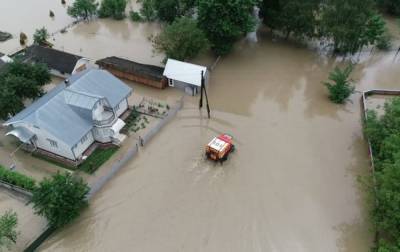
(184, 72)
(66, 111)
(61, 61)
(127, 66)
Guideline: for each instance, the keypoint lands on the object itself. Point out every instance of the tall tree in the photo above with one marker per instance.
(297, 17)
(181, 40)
(224, 21)
(20, 81)
(390, 6)
(351, 25)
(60, 198)
(8, 233)
(82, 9)
(113, 8)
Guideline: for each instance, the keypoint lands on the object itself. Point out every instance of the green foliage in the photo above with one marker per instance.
(148, 10)
(224, 21)
(17, 179)
(351, 25)
(384, 135)
(390, 6)
(96, 159)
(135, 16)
(295, 17)
(167, 10)
(60, 199)
(384, 41)
(8, 233)
(40, 36)
(82, 9)
(181, 40)
(113, 8)
(20, 81)
(340, 87)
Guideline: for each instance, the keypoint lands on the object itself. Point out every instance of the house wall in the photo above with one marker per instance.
(83, 144)
(161, 84)
(102, 134)
(121, 107)
(41, 142)
(188, 88)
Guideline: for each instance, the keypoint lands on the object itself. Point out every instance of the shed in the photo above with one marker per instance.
(185, 75)
(141, 73)
(60, 63)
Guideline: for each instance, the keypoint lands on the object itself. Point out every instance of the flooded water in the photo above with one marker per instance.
(291, 185)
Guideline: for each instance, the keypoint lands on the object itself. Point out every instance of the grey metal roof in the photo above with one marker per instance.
(66, 111)
(22, 133)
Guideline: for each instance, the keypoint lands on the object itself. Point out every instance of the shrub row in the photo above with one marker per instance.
(383, 133)
(17, 179)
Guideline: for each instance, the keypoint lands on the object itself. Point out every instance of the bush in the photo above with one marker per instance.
(135, 16)
(340, 87)
(17, 179)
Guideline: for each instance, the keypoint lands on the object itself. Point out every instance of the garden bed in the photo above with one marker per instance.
(135, 122)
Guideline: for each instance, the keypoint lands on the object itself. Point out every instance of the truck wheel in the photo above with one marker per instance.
(233, 148)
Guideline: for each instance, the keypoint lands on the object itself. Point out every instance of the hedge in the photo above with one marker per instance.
(17, 179)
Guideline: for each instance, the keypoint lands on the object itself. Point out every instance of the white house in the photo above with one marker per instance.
(185, 75)
(78, 112)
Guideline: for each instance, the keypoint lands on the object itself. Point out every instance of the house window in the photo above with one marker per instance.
(84, 138)
(117, 107)
(171, 82)
(52, 143)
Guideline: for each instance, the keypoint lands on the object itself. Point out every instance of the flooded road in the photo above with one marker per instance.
(291, 185)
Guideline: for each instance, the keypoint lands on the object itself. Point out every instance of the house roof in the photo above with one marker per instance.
(66, 111)
(61, 61)
(127, 66)
(184, 72)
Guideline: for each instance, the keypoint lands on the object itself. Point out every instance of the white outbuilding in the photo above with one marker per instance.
(185, 75)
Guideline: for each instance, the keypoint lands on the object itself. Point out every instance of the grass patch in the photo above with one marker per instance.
(96, 159)
(131, 122)
(17, 179)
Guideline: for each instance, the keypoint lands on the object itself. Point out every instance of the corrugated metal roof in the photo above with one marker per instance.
(66, 111)
(23, 134)
(185, 72)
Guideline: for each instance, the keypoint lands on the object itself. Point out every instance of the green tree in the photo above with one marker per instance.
(113, 8)
(340, 87)
(167, 10)
(297, 17)
(8, 233)
(350, 25)
(82, 9)
(390, 6)
(224, 21)
(40, 36)
(181, 40)
(60, 199)
(20, 81)
(148, 10)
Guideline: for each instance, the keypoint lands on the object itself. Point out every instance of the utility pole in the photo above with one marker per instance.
(203, 88)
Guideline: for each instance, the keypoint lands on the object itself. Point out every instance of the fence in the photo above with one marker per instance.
(171, 114)
(15, 188)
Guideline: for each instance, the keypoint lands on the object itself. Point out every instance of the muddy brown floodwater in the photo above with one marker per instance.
(291, 185)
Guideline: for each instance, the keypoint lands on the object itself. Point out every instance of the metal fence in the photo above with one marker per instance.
(143, 140)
